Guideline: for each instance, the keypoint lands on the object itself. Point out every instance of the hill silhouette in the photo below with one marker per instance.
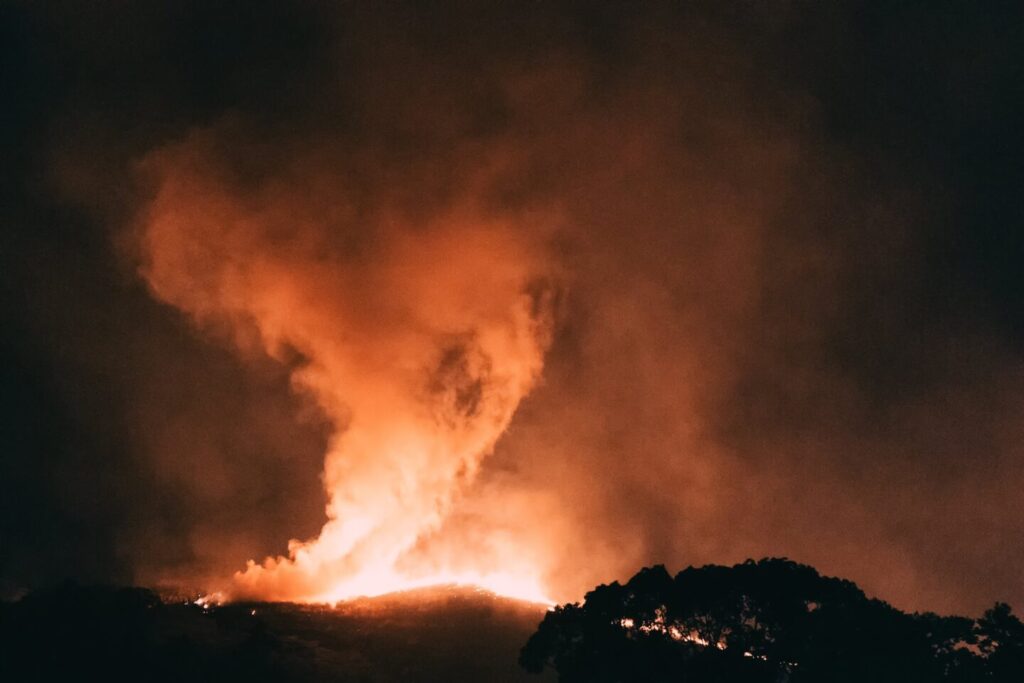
(771, 621)
(91, 633)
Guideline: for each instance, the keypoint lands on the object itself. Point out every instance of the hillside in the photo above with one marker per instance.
(437, 634)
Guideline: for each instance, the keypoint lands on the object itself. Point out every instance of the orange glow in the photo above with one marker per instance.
(417, 340)
(371, 585)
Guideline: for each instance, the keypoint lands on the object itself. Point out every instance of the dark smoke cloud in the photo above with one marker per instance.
(788, 237)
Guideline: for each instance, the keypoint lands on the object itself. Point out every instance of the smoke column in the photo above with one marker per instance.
(793, 325)
(416, 335)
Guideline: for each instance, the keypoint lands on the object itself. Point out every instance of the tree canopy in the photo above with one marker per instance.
(769, 621)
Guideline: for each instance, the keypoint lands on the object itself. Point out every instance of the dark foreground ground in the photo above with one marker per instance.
(76, 633)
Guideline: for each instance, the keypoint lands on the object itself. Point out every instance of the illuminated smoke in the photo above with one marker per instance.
(416, 334)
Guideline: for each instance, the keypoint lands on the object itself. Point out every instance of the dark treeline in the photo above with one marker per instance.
(771, 621)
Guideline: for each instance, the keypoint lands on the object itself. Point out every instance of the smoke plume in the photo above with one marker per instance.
(521, 294)
(417, 336)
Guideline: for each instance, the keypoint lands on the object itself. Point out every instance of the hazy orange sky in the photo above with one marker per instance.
(548, 292)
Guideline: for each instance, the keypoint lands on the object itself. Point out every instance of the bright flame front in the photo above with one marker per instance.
(525, 588)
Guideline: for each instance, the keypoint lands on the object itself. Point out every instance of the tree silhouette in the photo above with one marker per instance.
(771, 621)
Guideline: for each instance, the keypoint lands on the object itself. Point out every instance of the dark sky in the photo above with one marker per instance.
(784, 241)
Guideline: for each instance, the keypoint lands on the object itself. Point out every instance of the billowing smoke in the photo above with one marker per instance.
(417, 336)
(769, 255)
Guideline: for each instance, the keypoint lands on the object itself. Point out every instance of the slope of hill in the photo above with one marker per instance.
(436, 634)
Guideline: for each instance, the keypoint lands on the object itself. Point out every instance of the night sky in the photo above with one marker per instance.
(622, 283)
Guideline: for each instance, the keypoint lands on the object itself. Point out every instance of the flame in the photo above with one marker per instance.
(509, 585)
(418, 339)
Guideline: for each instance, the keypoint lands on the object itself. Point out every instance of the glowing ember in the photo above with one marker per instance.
(206, 601)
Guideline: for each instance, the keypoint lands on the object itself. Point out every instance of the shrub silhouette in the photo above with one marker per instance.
(770, 621)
